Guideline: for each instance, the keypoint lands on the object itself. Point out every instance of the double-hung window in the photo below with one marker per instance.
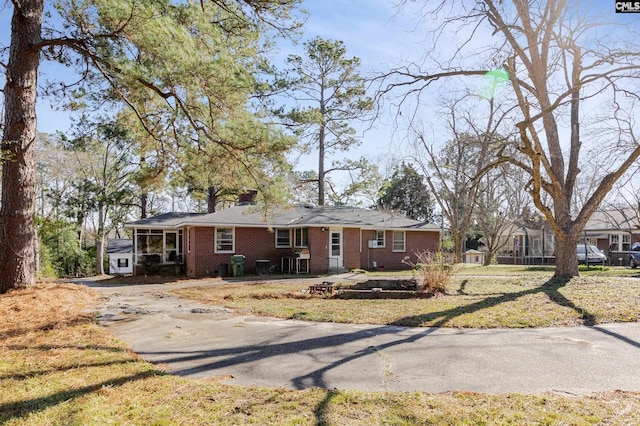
(224, 240)
(283, 238)
(379, 238)
(399, 241)
(301, 237)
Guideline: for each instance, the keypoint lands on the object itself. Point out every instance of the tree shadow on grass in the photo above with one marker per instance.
(322, 409)
(238, 355)
(462, 290)
(551, 288)
(19, 409)
(44, 372)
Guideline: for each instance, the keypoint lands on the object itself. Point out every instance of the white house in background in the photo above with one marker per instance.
(120, 253)
(474, 257)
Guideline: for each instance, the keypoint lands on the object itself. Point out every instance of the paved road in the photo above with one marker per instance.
(191, 339)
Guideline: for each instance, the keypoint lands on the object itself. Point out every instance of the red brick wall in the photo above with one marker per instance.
(259, 244)
(319, 250)
(203, 262)
(386, 258)
(255, 244)
(351, 250)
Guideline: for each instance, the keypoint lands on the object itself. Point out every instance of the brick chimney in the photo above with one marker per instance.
(247, 198)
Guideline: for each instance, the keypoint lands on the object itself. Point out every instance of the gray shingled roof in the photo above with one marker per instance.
(167, 220)
(608, 220)
(292, 217)
(119, 246)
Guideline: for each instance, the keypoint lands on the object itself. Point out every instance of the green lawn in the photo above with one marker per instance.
(530, 299)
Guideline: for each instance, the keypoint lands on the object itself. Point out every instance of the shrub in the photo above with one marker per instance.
(433, 273)
(60, 252)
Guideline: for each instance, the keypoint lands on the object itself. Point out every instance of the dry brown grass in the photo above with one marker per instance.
(57, 367)
(45, 306)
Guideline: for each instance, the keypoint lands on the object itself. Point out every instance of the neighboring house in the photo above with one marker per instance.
(474, 257)
(333, 239)
(530, 244)
(612, 231)
(120, 254)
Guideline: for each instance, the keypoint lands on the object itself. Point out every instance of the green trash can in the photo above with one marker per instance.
(237, 265)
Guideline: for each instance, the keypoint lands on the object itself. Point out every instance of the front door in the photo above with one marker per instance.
(335, 250)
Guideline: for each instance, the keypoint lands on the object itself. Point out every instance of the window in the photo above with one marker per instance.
(592, 241)
(615, 242)
(158, 246)
(283, 238)
(626, 242)
(301, 237)
(123, 262)
(379, 237)
(171, 246)
(149, 245)
(224, 240)
(398, 241)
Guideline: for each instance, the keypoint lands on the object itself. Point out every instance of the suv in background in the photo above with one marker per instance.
(594, 256)
(634, 255)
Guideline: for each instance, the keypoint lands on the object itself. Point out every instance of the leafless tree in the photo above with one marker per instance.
(455, 171)
(500, 206)
(570, 72)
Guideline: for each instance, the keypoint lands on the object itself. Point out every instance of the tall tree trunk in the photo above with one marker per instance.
(144, 194)
(212, 199)
(457, 246)
(144, 204)
(566, 255)
(321, 173)
(102, 213)
(17, 231)
(321, 147)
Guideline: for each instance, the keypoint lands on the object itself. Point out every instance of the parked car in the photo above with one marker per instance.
(595, 255)
(634, 255)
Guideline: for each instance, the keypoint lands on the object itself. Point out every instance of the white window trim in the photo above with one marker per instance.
(377, 239)
(147, 231)
(233, 240)
(404, 241)
(592, 241)
(617, 245)
(276, 237)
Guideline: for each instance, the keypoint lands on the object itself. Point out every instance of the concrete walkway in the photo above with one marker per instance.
(198, 340)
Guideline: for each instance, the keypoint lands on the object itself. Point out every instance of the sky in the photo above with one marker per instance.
(368, 28)
(375, 31)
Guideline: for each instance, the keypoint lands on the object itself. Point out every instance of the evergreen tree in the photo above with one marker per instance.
(331, 94)
(407, 192)
(192, 61)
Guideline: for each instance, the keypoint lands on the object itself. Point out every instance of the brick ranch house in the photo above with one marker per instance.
(334, 239)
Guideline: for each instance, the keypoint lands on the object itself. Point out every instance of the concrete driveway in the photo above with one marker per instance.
(191, 339)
